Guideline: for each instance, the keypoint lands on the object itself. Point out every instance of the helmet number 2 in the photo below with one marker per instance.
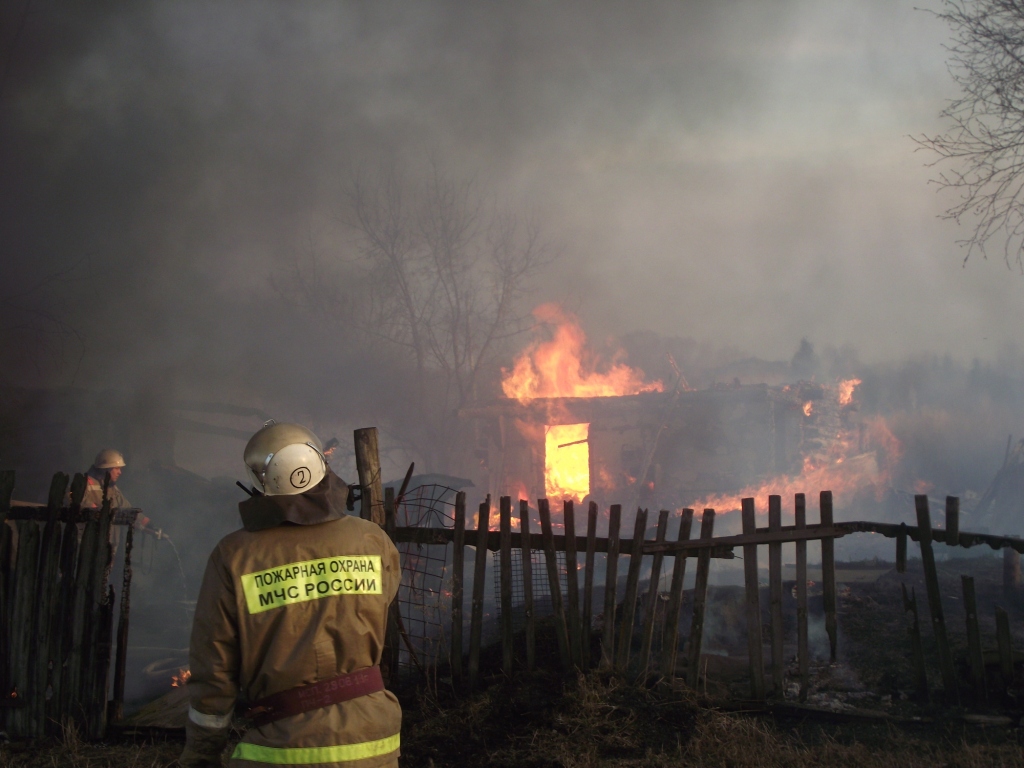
(300, 477)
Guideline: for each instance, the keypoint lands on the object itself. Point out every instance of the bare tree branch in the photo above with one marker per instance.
(985, 142)
(443, 275)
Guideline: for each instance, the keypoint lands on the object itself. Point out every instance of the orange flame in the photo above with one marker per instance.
(179, 680)
(836, 466)
(562, 366)
(846, 390)
(843, 478)
(567, 461)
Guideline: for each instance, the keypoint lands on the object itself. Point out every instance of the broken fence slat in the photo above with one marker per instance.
(527, 558)
(670, 637)
(952, 520)
(802, 645)
(1004, 641)
(828, 575)
(753, 603)
(550, 559)
(974, 657)
(625, 642)
(652, 597)
(477, 615)
(775, 594)
(22, 627)
(916, 646)
(934, 596)
(588, 583)
(458, 585)
(700, 593)
(505, 578)
(1011, 573)
(572, 588)
(901, 549)
(610, 580)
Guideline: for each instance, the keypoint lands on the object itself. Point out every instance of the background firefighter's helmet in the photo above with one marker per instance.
(108, 458)
(285, 459)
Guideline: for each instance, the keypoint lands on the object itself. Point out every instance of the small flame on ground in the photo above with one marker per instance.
(178, 680)
(808, 408)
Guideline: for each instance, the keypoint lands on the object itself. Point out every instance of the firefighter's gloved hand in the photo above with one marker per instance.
(204, 747)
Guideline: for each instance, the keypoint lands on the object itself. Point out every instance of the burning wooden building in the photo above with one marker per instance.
(571, 427)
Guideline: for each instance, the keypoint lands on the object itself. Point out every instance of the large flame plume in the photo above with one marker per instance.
(562, 366)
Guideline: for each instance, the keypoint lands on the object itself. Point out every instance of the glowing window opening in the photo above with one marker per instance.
(567, 461)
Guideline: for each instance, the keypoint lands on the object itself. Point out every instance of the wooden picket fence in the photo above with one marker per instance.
(621, 650)
(57, 612)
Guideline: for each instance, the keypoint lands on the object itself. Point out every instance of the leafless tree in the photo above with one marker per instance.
(440, 273)
(985, 145)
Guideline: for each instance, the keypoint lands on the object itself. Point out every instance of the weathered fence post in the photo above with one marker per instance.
(652, 595)
(974, 655)
(458, 566)
(775, 592)
(479, 573)
(611, 577)
(828, 574)
(700, 593)
(47, 594)
(6, 576)
(670, 637)
(561, 633)
(952, 521)
(924, 528)
(901, 549)
(588, 582)
(572, 588)
(505, 558)
(1011, 573)
(753, 601)
(625, 642)
(1005, 642)
(802, 645)
(391, 632)
(368, 468)
(916, 647)
(527, 557)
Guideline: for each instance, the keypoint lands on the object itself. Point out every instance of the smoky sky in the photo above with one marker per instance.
(741, 173)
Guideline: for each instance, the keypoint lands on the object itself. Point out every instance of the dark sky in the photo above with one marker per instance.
(737, 172)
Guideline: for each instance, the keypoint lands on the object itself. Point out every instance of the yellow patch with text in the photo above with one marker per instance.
(312, 580)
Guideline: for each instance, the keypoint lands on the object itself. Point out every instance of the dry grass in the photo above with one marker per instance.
(70, 751)
(539, 721)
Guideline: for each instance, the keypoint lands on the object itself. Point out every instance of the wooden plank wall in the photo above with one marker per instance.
(57, 613)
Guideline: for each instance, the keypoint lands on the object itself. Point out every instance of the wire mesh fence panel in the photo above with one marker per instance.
(422, 597)
(542, 603)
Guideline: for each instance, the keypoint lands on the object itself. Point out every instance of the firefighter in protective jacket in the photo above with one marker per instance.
(290, 622)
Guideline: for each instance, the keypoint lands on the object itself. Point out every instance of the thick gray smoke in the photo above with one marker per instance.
(719, 179)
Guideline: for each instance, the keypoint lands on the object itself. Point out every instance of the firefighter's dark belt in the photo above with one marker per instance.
(306, 698)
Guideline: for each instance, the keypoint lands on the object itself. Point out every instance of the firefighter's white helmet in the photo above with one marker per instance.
(285, 459)
(108, 458)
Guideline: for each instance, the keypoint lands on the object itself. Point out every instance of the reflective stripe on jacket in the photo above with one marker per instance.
(291, 605)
